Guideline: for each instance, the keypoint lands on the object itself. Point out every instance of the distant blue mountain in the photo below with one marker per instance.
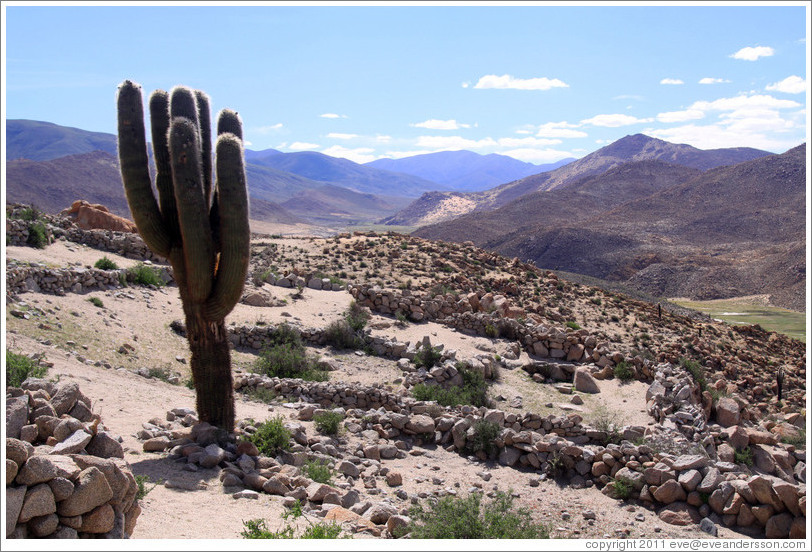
(42, 141)
(465, 171)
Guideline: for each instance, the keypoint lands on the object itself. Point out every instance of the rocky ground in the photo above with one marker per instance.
(124, 356)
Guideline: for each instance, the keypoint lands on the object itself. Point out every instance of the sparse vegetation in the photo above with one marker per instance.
(141, 481)
(96, 302)
(319, 471)
(271, 436)
(744, 456)
(427, 357)
(20, 367)
(37, 235)
(696, 371)
(146, 275)
(621, 488)
(258, 529)
(623, 371)
(106, 264)
(470, 518)
(473, 391)
(485, 432)
(288, 359)
(329, 422)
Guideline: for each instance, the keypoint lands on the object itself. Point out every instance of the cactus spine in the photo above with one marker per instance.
(202, 229)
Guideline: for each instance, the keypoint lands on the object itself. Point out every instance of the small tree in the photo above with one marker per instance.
(202, 229)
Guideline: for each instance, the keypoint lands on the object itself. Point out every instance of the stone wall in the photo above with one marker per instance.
(66, 476)
(20, 279)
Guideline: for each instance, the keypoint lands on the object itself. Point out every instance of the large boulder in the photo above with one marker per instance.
(584, 382)
(92, 216)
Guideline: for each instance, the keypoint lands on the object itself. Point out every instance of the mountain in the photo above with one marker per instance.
(464, 171)
(343, 172)
(330, 205)
(42, 141)
(638, 147)
(729, 231)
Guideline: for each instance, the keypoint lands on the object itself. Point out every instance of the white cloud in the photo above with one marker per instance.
(437, 124)
(559, 130)
(466, 84)
(268, 128)
(342, 136)
(614, 120)
(332, 116)
(671, 81)
(752, 53)
(357, 155)
(721, 136)
(790, 85)
(247, 143)
(744, 101)
(526, 142)
(303, 146)
(711, 80)
(453, 143)
(383, 138)
(680, 116)
(510, 82)
(400, 154)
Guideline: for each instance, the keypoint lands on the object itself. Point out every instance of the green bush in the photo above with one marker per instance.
(356, 317)
(485, 432)
(744, 456)
(95, 301)
(30, 214)
(623, 371)
(141, 481)
(285, 333)
(146, 275)
(469, 518)
(473, 391)
(573, 325)
(37, 235)
(106, 264)
(491, 331)
(258, 529)
(328, 422)
(622, 488)
(696, 371)
(427, 357)
(339, 334)
(271, 436)
(318, 471)
(288, 360)
(20, 367)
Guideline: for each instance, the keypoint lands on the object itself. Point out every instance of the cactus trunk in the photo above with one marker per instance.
(202, 229)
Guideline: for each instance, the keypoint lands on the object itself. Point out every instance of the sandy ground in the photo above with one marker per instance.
(125, 400)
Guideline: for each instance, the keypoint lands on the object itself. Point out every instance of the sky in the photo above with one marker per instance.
(538, 82)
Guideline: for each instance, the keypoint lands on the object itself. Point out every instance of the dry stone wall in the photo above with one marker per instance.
(59, 281)
(66, 476)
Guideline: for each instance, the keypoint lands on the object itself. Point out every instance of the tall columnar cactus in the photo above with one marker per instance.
(202, 229)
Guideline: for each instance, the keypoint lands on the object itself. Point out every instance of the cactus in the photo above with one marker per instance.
(201, 229)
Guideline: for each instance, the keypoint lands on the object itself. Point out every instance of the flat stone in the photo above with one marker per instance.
(73, 444)
(679, 513)
(690, 462)
(65, 398)
(41, 468)
(105, 445)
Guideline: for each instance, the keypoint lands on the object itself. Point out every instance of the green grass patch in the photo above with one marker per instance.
(106, 264)
(473, 391)
(318, 471)
(271, 436)
(96, 302)
(738, 312)
(146, 275)
(289, 359)
(328, 423)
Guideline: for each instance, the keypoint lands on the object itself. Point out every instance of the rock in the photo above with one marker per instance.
(778, 526)
(16, 416)
(15, 497)
(317, 491)
(690, 462)
(394, 479)
(39, 501)
(11, 471)
(99, 520)
(710, 481)
(584, 382)
(728, 412)
(90, 216)
(91, 490)
(690, 480)
(61, 487)
(277, 485)
(104, 445)
(679, 513)
(798, 528)
(420, 424)
(39, 469)
(212, 456)
(65, 533)
(635, 478)
(247, 447)
(395, 524)
(719, 498)
(788, 493)
(380, 513)
(156, 444)
(17, 451)
(65, 399)
(75, 443)
(670, 491)
(114, 472)
(246, 493)
(762, 488)
(508, 456)
(44, 526)
(737, 437)
(709, 527)
(349, 469)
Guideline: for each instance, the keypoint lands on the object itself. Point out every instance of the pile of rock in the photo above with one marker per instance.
(294, 280)
(125, 244)
(76, 279)
(66, 476)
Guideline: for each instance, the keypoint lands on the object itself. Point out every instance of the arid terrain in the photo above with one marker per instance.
(124, 356)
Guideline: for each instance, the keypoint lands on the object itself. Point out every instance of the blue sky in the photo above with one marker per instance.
(536, 82)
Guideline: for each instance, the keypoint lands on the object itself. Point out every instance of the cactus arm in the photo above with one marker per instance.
(134, 163)
(159, 114)
(228, 121)
(204, 118)
(234, 230)
(193, 213)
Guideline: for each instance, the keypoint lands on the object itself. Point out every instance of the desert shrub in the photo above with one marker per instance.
(469, 518)
(271, 436)
(607, 422)
(288, 360)
(162, 373)
(622, 488)
(258, 529)
(340, 335)
(319, 471)
(261, 394)
(555, 465)
(798, 440)
(141, 481)
(20, 367)
(285, 333)
(491, 331)
(473, 391)
(356, 317)
(623, 371)
(146, 275)
(573, 325)
(106, 264)
(427, 357)
(485, 433)
(37, 235)
(328, 422)
(96, 302)
(696, 371)
(30, 214)
(744, 456)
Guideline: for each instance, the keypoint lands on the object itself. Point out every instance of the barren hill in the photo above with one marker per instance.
(638, 147)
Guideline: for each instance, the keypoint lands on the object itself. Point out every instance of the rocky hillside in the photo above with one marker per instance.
(606, 416)
(671, 231)
(638, 147)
